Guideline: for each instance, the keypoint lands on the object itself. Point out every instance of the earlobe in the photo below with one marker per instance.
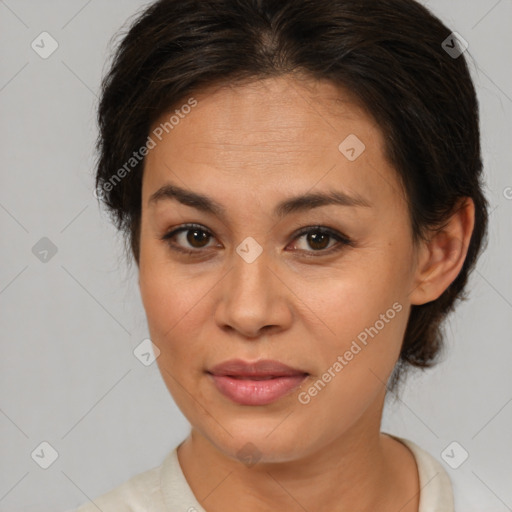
(441, 257)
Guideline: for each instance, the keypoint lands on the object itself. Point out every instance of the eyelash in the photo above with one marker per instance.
(340, 238)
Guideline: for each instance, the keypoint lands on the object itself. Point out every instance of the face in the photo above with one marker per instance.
(255, 270)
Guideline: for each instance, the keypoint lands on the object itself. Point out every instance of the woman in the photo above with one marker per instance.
(299, 183)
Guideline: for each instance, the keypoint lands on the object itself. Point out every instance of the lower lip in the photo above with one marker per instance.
(256, 392)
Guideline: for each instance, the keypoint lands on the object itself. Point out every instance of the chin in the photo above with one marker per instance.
(254, 441)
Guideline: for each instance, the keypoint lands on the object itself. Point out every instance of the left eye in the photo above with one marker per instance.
(318, 238)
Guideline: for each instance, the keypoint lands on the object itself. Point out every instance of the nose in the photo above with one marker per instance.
(254, 300)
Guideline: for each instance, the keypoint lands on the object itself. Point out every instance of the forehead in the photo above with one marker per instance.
(278, 134)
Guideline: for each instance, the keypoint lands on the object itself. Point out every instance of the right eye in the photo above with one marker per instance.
(193, 234)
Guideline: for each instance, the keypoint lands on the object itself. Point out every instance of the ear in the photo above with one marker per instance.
(441, 258)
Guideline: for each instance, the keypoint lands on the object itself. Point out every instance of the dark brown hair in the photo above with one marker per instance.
(389, 53)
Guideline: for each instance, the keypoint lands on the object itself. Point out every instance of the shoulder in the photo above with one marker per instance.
(436, 492)
(134, 495)
(159, 489)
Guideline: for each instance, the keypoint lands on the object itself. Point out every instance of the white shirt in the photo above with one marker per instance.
(165, 489)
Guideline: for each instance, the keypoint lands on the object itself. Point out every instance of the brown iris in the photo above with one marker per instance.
(318, 240)
(197, 235)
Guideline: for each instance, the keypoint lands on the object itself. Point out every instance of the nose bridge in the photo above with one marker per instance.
(250, 276)
(252, 298)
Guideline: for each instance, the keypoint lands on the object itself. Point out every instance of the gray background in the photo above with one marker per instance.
(70, 324)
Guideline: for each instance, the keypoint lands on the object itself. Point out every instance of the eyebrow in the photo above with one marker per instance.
(292, 205)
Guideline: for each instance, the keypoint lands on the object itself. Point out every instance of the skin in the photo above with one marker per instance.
(249, 147)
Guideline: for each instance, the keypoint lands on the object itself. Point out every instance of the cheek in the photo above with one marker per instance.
(172, 304)
(178, 308)
(351, 298)
(360, 316)
(357, 354)
(174, 324)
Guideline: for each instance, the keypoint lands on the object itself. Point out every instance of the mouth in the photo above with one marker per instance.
(258, 383)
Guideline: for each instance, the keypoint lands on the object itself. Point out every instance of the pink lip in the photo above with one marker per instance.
(258, 383)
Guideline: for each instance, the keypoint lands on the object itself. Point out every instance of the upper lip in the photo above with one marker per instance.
(262, 368)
